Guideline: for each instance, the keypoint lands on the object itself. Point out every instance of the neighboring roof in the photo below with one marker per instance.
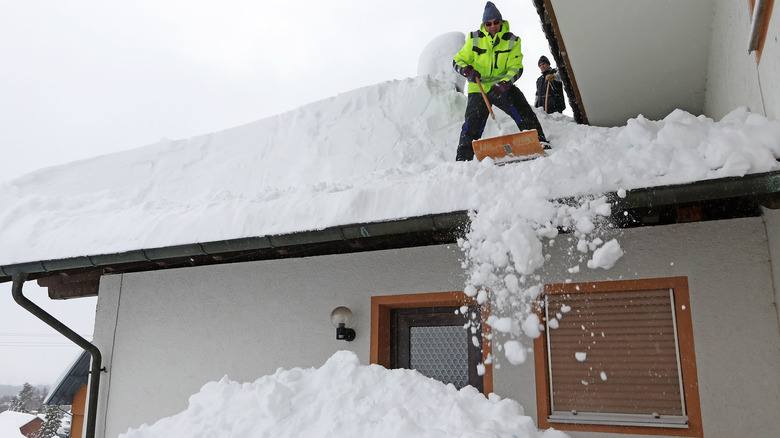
(649, 57)
(72, 379)
(17, 418)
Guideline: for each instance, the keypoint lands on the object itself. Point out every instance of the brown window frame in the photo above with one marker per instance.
(381, 322)
(685, 350)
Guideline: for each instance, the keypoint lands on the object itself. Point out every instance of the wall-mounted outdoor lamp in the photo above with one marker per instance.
(341, 318)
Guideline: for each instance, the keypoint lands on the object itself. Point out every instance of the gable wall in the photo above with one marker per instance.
(733, 77)
(172, 331)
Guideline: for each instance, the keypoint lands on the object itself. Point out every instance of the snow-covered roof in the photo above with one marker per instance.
(378, 153)
(19, 419)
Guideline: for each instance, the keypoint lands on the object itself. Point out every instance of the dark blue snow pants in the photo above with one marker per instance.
(512, 102)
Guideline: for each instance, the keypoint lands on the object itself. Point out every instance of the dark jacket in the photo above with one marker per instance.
(556, 101)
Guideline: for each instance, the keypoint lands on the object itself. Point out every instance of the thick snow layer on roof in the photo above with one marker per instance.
(376, 153)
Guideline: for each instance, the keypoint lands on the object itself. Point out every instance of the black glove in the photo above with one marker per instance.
(471, 73)
(501, 87)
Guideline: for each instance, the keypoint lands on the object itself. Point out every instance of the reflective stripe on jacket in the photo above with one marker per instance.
(496, 58)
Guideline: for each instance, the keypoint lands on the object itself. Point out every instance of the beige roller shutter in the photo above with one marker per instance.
(615, 354)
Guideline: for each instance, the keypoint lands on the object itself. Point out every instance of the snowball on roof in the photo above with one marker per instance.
(436, 59)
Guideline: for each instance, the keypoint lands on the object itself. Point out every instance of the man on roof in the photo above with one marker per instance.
(493, 55)
(549, 89)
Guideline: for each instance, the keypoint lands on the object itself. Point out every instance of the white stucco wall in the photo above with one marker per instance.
(175, 330)
(772, 223)
(734, 78)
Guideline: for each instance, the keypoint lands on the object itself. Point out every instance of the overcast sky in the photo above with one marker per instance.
(91, 77)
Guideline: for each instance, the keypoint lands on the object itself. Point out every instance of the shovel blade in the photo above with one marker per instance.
(513, 146)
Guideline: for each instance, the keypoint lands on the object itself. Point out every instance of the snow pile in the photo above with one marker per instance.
(10, 430)
(11, 421)
(436, 59)
(345, 399)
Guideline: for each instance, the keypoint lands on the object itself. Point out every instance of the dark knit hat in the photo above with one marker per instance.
(491, 13)
(543, 59)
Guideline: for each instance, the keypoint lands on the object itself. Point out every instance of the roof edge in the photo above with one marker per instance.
(756, 189)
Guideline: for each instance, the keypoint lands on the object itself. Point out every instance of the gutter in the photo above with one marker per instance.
(94, 374)
(443, 224)
(759, 189)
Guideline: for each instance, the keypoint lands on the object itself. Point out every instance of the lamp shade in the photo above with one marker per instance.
(341, 315)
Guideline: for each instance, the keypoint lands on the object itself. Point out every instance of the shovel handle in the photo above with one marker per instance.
(546, 94)
(484, 96)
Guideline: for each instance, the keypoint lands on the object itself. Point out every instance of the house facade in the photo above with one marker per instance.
(165, 333)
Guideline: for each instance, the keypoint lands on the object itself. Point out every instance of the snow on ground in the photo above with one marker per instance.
(345, 399)
(10, 430)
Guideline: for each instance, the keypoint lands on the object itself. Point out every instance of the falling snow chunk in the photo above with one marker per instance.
(606, 256)
(515, 352)
(581, 356)
(603, 376)
(531, 326)
(501, 324)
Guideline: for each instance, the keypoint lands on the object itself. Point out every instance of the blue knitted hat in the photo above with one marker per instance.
(491, 13)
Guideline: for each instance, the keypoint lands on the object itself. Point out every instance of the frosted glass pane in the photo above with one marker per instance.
(441, 353)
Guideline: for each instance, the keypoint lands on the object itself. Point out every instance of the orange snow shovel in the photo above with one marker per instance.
(506, 148)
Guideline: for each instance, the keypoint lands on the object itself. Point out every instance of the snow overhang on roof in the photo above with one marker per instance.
(715, 199)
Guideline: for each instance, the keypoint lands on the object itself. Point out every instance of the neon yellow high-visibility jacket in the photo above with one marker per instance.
(496, 58)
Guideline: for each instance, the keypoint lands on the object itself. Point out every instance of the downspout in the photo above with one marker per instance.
(756, 22)
(94, 374)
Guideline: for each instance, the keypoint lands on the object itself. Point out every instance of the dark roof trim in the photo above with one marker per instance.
(713, 199)
(70, 382)
(430, 229)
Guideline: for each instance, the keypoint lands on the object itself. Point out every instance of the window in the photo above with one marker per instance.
(424, 332)
(618, 357)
